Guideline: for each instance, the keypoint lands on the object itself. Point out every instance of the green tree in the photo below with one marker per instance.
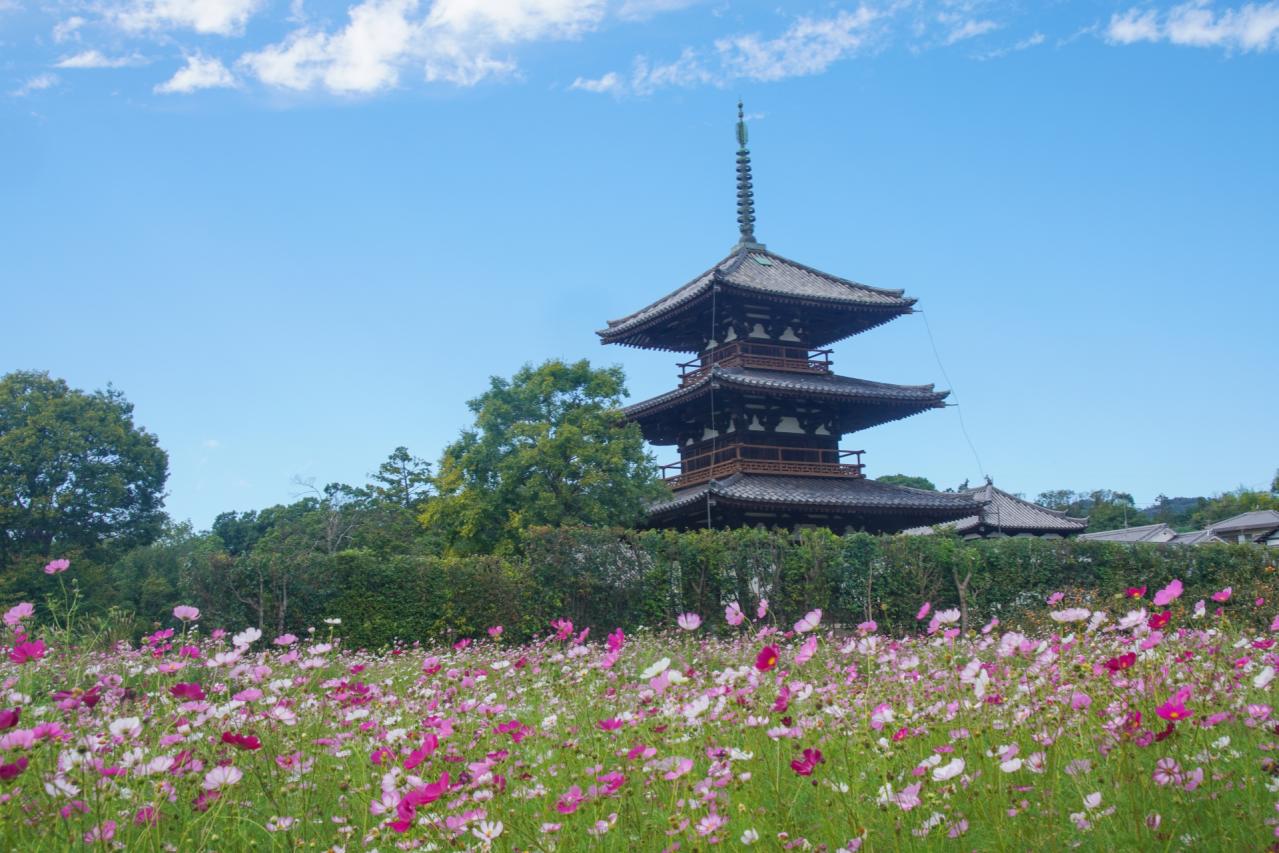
(1229, 504)
(908, 481)
(547, 448)
(403, 479)
(76, 474)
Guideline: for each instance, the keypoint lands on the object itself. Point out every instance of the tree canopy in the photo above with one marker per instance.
(547, 448)
(75, 472)
(908, 480)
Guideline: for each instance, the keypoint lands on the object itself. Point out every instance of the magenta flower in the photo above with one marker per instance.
(186, 613)
(27, 651)
(55, 567)
(569, 803)
(923, 611)
(1169, 594)
(495, 632)
(1223, 596)
(766, 659)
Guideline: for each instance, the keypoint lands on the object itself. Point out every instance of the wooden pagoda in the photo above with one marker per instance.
(758, 414)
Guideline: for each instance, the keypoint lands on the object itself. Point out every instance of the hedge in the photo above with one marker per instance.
(604, 579)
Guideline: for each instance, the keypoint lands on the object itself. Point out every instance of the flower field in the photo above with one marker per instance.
(1147, 725)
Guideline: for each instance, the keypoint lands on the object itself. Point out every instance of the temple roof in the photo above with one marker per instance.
(1009, 513)
(1159, 532)
(754, 271)
(835, 493)
(787, 383)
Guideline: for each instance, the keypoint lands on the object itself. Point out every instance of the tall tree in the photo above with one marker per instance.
(403, 479)
(547, 448)
(76, 473)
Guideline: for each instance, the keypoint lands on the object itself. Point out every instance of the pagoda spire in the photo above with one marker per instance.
(745, 193)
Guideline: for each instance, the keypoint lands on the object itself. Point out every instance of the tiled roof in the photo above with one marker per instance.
(1145, 533)
(1248, 521)
(1194, 537)
(797, 384)
(838, 493)
(1002, 511)
(763, 272)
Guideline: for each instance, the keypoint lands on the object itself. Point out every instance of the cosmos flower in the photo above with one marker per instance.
(689, 621)
(222, 777)
(810, 622)
(55, 567)
(1168, 594)
(733, 614)
(27, 651)
(186, 613)
(14, 616)
(766, 659)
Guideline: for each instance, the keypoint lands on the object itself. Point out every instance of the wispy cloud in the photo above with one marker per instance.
(968, 29)
(200, 72)
(1033, 40)
(37, 83)
(215, 17)
(66, 30)
(454, 41)
(96, 59)
(1252, 27)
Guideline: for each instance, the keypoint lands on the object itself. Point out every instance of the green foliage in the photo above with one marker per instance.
(908, 481)
(1229, 504)
(547, 448)
(76, 475)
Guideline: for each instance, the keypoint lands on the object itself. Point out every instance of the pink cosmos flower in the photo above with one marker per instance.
(186, 613)
(191, 691)
(909, 797)
(104, 831)
(27, 651)
(1169, 594)
(1175, 708)
(569, 803)
(766, 659)
(9, 718)
(14, 615)
(810, 621)
(1055, 598)
(689, 621)
(806, 651)
(733, 614)
(682, 767)
(563, 628)
(495, 632)
(923, 611)
(616, 640)
(1167, 772)
(1223, 596)
(57, 567)
(762, 610)
(285, 640)
(222, 777)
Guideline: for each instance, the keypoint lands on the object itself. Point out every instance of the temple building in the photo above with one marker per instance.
(1002, 514)
(758, 414)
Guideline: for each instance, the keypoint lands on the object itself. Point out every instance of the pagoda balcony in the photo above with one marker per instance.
(761, 459)
(750, 354)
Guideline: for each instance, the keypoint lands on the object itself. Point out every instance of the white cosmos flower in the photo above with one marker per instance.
(946, 617)
(247, 637)
(1091, 801)
(1264, 677)
(949, 770)
(1012, 765)
(126, 727)
(656, 669)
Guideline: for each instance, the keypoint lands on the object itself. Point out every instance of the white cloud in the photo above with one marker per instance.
(809, 46)
(218, 17)
(454, 41)
(609, 83)
(642, 10)
(1033, 40)
(363, 57)
(970, 29)
(96, 59)
(201, 72)
(64, 30)
(35, 84)
(1252, 27)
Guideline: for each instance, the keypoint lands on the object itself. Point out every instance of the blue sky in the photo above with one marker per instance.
(298, 234)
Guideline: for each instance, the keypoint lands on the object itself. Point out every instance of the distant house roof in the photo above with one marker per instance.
(1009, 514)
(1194, 537)
(845, 388)
(756, 271)
(1145, 533)
(1258, 518)
(839, 493)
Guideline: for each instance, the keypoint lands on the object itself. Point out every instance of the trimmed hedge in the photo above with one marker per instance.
(608, 578)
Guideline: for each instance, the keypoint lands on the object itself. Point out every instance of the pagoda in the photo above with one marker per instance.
(758, 414)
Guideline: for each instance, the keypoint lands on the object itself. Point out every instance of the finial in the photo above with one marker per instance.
(745, 193)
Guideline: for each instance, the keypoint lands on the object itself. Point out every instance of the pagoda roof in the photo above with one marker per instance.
(911, 399)
(754, 271)
(830, 493)
(1007, 513)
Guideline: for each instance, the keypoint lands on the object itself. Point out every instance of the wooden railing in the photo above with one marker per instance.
(761, 459)
(764, 356)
